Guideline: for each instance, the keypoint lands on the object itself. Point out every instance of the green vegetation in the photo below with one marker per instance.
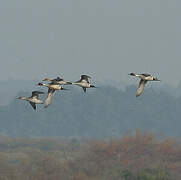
(135, 157)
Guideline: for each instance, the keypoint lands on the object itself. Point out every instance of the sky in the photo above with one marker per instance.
(106, 39)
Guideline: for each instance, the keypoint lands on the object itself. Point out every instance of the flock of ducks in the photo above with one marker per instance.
(53, 86)
(58, 83)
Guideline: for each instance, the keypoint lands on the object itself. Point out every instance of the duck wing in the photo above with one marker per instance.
(36, 93)
(58, 79)
(85, 77)
(49, 97)
(146, 74)
(141, 87)
(33, 105)
(84, 89)
(54, 82)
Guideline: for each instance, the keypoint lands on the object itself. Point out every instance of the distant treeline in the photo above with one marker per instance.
(102, 112)
(138, 156)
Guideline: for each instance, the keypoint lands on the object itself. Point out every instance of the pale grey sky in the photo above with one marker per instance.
(104, 38)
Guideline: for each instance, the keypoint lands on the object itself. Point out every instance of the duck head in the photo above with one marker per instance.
(132, 74)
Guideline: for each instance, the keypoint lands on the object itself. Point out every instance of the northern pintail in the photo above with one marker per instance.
(52, 87)
(144, 79)
(33, 99)
(84, 82)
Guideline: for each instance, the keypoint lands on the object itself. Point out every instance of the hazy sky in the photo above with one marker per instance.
(106, 39)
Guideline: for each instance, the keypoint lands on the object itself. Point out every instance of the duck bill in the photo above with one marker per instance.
(92, 86)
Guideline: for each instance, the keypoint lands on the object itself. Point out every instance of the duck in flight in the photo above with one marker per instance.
(144, 79)
(84, 82)
(58, 80)
(33, 99)
(52, 87)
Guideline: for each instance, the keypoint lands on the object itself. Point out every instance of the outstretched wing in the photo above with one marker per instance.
(146, 74)
(85, 77)
(141, 87)
(36, 93)
(33, 105)
(58, 79)
(84, 89)
(49, 97)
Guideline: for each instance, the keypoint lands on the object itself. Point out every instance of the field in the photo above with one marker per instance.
(137, 156)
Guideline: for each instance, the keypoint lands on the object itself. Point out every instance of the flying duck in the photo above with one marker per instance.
(58, 80)
(52, 87)
(84, 82)
(33, 99)
(144, 79)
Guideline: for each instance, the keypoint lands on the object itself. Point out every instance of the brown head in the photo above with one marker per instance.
(132, 74)
(40, 84)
